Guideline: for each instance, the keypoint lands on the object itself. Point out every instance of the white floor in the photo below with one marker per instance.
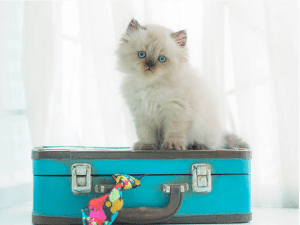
(21, 215)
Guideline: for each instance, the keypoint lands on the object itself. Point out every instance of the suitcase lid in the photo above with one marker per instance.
(51, 160)
(80, 152)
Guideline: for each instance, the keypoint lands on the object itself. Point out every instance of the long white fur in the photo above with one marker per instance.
(173, 107)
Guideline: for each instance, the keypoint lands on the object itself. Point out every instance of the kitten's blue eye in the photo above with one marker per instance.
(162, 59)
(142, 54)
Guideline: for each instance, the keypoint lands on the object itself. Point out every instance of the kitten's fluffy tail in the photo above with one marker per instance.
(231, 141)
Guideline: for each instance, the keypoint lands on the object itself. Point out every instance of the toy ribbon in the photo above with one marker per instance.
(104, 210)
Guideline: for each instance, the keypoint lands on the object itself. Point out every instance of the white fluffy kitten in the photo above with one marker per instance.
(172, 106)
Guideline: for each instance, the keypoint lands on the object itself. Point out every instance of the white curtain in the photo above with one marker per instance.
(250, 50)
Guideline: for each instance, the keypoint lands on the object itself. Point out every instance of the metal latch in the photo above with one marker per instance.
(201, 177)
(81, 178)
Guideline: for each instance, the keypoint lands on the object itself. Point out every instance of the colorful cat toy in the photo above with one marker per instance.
(104, 210)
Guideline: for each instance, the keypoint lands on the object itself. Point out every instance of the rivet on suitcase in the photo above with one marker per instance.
(210, 186)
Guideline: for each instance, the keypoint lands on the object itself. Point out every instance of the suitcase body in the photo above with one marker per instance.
(185, 186)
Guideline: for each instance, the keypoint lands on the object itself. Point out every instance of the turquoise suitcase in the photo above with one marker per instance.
(177, 187)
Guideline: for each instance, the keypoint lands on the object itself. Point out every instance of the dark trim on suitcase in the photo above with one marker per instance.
(39, 153)
(213, 219)
(203, 219)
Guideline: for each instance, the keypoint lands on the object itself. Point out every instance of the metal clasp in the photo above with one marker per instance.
(201, 177)
(167, 187)
(103, 188)
(81, 178)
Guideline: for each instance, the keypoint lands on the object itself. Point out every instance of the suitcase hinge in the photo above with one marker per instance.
(81, 178)
(201, 177)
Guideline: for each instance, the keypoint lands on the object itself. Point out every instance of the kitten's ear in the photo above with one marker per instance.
(134, 26)
(179, 37)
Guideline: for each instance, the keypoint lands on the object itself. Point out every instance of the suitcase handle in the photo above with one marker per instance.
(147, 215)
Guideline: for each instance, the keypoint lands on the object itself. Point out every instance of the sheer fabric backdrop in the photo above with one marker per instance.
(249, 50)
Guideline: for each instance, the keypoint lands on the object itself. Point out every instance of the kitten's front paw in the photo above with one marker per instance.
(144, 146)
(197, 146)
(173, 145)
